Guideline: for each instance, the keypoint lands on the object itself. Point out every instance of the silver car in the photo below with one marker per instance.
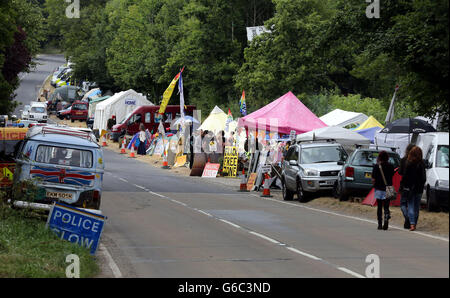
(310, 167)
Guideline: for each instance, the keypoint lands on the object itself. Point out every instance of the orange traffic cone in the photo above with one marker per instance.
(243, 187)
(122, 150)
(165, 163)
(104, 141)
(266, 191)
(132, 155)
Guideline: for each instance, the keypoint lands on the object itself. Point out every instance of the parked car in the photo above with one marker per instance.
(435, 148)
(148, 116)
(79, 111)
(58, 74)
(310, 167)
(90, 122)
(26, 112)
(355, 178)
(38, 111)
(65, 164)
(64, 113)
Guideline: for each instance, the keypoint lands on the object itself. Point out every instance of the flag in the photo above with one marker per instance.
(180, 89)
(229, 119)
(242, 105)
(168, 93)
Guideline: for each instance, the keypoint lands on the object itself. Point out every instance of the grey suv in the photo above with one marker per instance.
(310, 167)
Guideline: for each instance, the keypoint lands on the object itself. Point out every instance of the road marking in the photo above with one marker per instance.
(230, 223)
(138, 186)
(205, 213)
(124, 180)
(265, 237)
(304, 254)
(114, 268)
(343, 269)
(157, 194)
(178, 202)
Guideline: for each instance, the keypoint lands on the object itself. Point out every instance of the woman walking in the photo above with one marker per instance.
(413, 180)
(142, 139)
(404, 195)
(382, 174)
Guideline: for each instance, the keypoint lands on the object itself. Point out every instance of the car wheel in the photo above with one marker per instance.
(342, 193)
(431, 202)
(67, 117)
(301, 194)
(287, 194)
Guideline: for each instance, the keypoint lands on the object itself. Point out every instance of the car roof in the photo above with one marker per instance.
(318, 144)
(56, 135)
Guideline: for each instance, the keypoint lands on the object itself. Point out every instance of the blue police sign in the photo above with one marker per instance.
(76, 225)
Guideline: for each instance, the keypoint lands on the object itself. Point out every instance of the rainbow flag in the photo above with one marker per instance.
(242, 105)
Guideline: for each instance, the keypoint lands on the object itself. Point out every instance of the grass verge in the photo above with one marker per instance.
(29, 250)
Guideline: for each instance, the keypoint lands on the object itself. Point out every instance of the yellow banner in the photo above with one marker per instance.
(167, 94)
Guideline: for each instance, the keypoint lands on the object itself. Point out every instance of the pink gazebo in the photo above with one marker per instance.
(283, 115)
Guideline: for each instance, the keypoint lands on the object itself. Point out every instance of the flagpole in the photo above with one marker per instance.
(390, 113)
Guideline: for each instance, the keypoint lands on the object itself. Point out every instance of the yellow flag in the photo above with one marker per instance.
(167, 94)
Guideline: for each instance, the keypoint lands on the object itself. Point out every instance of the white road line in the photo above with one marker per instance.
(157, 194)
(138, 186)
(178, 202)
(114, 268)
(265, 237)
(304, 254)
(124, 180)
(230, 223)
(205, 213)
(351, 272)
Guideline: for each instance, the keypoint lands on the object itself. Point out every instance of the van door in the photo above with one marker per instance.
(133, 123)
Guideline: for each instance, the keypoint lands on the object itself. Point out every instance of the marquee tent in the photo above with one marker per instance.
(93, 103)
(341, 135)
(120, 105)
(92, 94)
(215, 122)
(369, 123)
(343, 118)
(283, 115)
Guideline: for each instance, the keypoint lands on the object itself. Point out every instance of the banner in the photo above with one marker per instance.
(180, 88)
(168, 93)
(210, 170)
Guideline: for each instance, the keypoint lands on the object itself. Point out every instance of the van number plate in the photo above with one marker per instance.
(59, 195)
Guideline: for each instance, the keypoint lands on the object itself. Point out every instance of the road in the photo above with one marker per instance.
(30, 83)
(160, 225)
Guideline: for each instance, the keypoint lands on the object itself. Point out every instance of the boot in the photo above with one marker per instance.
(412, 228)
(386, 222)
(406, 225)
(380, 224)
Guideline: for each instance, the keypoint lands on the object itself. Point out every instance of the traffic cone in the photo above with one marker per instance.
(122, 150)
(104, 142)
(266, 191)
(165, 163)
(243, 187)
(132, 155)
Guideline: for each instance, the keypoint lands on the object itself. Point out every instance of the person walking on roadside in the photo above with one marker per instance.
(382, 174)
(414, 178)
(142, 139)
(404, 195)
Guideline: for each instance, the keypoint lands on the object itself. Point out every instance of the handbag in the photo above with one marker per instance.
(390, 190)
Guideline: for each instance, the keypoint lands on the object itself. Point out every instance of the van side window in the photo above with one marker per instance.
(155, 116)
(148, 117)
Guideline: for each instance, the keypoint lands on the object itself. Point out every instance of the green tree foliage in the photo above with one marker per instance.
(21, 32)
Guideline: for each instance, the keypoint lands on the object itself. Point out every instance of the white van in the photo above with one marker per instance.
(435, 149)
(38, 111)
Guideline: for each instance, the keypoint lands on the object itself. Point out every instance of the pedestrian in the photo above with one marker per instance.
(382, 174)
(109, 125)
(413, 180)
(404, 195)
(142, 140)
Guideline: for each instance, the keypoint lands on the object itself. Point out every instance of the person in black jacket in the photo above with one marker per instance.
(383, 167)
(404, 195)
(413, 181)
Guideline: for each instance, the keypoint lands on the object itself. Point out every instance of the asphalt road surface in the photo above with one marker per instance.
(161, 225)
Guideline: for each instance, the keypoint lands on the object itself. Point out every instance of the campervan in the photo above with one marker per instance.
(38, 111)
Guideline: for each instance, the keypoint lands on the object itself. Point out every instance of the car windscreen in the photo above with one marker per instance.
(126, 118)
(38, 110)
(442, 156)
(79, 107)
(64, 156)
(369, 158)
(323, 154)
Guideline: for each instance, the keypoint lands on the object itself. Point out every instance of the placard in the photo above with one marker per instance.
(180, 161)
(230, 161)
(251, 181)
(210, 170)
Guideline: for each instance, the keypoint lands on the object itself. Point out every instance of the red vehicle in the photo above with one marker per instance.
(146, 115)
(79, 111)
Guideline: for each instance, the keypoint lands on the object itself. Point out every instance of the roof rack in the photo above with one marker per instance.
(69, 132)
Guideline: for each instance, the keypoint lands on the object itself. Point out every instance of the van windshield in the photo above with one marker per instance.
(79, 107)
(442, 156)
(38, 110)
(64, 156)
(126, 117)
